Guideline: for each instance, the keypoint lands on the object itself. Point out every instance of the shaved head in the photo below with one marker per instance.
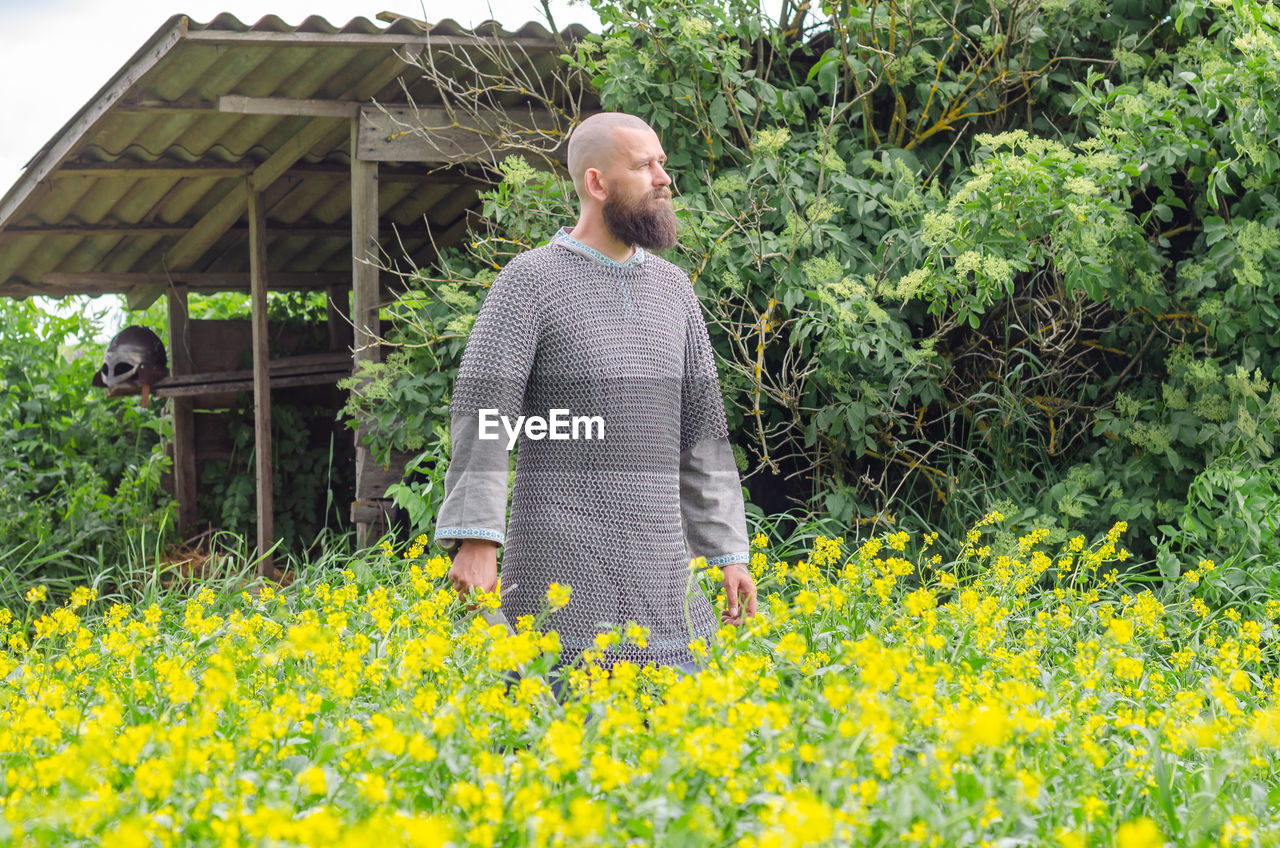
(617, 164)
(592, 144)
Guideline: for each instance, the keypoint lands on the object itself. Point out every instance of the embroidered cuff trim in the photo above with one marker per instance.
(730, 559)
(470, 533)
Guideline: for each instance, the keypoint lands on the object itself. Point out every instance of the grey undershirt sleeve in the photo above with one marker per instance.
(711, 504)
(475, 485)
(492, 376)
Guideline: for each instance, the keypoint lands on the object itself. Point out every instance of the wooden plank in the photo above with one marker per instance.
(75, 131)
(240, 105)
(364, 298)
(184, 444)
(454, 175)
(306, 230)
(181, 104)
(180, 390)
(165, 168)
(218, 345)
(60, 283)
(398, 41)
(213, 437)
(176, 169)
(409, 134)
(18, 288)
(376, 512)
(94, 230)
(309, 363)
(377, 478)
(261, 373)
(364, 253)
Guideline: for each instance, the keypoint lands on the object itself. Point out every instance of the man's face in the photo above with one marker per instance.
(638, 208)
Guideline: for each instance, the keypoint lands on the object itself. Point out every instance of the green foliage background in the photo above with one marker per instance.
(79, 474)
(81, 496)
(1020, 255)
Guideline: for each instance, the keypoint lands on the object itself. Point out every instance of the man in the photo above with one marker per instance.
(594, 324)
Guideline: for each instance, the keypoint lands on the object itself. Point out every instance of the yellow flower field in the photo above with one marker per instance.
(887, 694)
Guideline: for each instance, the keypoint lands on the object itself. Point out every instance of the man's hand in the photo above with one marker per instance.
(739, 594)
(475, 566)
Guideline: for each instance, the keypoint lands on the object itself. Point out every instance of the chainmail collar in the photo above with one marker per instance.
(562, 237)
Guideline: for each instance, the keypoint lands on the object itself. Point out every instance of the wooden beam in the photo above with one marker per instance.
(181, 104)
(305, 370)
(320, 378)
(308, 230)
(183, 410)
(95, 230)
(166, 168)
(517, 44)
(377, 512)
(364, 252)
(19, 288)
(261, 374)
(58, 283)
(364, 299)
(240, 105)
(408, 134)
(171, 169)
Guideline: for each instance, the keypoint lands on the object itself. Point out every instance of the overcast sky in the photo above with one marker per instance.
(56, 54)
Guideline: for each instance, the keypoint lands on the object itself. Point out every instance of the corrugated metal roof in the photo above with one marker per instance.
(147, 157)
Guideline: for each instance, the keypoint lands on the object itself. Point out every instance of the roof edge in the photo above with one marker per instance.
(65, 139)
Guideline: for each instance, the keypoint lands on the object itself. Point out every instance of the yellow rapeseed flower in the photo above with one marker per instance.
(1121, 630)
(558, 595)
(313, 780)
(1140, 833)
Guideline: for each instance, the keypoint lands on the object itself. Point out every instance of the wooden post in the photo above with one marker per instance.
(364, 282)
(184, 443)
(261, 375)
(338, 312)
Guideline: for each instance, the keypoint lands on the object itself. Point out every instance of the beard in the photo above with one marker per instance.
(642, 221)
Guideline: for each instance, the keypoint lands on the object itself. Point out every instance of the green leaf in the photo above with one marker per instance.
(718, 112)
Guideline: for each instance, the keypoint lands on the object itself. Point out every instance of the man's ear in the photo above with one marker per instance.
(594, 185)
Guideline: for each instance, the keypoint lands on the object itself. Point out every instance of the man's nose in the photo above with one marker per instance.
(661, 177)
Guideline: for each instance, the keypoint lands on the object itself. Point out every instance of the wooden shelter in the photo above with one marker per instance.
(228, 157)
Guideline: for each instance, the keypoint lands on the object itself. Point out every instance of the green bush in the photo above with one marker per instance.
(79, 473)
(951, 258)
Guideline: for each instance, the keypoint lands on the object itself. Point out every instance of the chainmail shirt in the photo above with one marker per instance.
(615, 517)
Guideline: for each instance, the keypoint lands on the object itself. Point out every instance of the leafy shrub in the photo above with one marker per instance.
(79, 473)
(950, 259)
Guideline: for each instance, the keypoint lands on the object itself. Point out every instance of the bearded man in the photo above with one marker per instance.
(595, 324)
